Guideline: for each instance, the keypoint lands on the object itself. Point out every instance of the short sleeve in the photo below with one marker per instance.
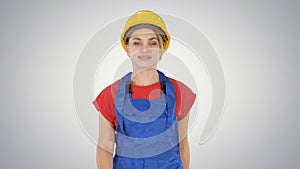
(185, 99)
(105, 105)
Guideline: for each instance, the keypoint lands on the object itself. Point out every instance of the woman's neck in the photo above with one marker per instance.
(144, 77)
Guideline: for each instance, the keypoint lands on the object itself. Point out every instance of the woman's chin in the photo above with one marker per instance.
(145, 66)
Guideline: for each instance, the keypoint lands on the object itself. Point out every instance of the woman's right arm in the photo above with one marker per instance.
(105, 147)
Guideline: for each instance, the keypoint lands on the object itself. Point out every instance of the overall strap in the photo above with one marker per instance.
(171, 98)
(120, 99)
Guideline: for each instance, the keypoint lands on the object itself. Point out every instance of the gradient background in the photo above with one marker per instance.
(257, 43)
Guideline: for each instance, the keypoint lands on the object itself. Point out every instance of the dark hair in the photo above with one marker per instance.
(156, 29)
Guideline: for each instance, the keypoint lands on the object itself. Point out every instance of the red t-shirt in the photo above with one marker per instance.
(104, 102)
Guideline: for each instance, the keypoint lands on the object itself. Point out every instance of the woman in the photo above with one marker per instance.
(144, 116)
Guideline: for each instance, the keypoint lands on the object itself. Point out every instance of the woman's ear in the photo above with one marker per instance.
(127, 50)
(162, 52)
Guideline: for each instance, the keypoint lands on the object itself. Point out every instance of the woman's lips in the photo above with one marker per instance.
(144, 58)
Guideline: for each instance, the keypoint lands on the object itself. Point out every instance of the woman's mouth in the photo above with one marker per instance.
(144, 58)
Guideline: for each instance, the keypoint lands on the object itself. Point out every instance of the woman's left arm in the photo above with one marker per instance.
(184, 144)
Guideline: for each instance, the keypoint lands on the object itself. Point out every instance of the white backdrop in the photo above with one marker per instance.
(257, 44)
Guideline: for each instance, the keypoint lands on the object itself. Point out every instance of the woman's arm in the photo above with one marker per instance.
(184, 144)
(104, 159)
(185, 153)
(105, 147)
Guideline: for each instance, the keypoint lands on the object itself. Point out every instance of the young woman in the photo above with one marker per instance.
(144, 115)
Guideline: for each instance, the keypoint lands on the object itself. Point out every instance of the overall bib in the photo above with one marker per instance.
(147, 132)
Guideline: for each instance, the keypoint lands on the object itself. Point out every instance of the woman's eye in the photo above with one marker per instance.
(136, 43)
(153, 43)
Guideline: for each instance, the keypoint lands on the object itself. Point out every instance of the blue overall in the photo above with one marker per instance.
(147, 132)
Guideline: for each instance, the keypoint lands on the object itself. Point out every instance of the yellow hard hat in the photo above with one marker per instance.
(146, 17)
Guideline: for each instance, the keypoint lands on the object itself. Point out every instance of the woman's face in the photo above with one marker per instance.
(144, 48)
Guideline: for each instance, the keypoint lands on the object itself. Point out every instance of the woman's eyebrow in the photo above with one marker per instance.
(153, 38)
(136, 38)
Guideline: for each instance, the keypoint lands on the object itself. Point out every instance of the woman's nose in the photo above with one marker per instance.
(145, 48)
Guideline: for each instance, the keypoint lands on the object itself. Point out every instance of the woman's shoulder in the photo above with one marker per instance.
(110, 90)
(185, 98)
(178, 85)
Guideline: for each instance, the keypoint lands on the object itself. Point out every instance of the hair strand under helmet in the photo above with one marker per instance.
(145, 19)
